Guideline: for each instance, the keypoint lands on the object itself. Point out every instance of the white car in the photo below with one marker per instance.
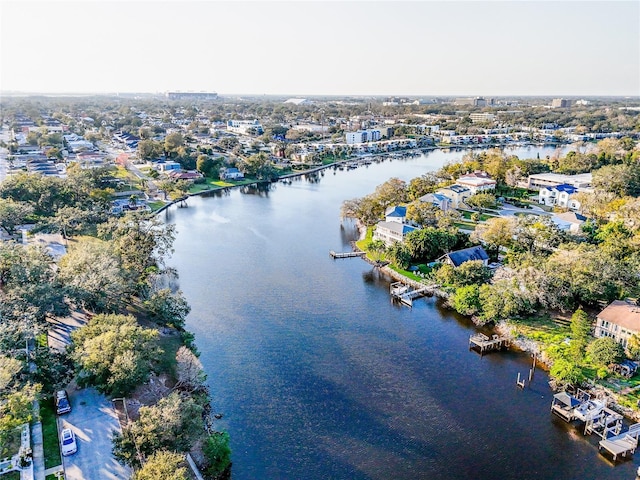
(68, 443)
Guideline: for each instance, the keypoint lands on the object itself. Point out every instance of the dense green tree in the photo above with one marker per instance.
(149, 149)
(422, 214)
(54, 369)
(426, 183)
(258, 166)
(173, 142)
(604, 351)
(427, 244)
(466, 300)
(566, 372)
(580, 333)
(472, 272)
(494, 233)
(633, 346)
(13, 213)
(621, 179)
(205, 165)
(94, 277)
(392, 192)
(140, 241)
(174, 423)
(168, 308)
(399, 255)
(163, 465)
(114, 353)
(217, 453)
(481, 201)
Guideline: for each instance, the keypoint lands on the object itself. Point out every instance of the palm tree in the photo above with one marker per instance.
(133, 201)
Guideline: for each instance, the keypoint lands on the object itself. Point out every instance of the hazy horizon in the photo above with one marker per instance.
(300, 49)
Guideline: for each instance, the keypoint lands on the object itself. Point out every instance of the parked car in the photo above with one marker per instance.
(62, 402)
(68, 443)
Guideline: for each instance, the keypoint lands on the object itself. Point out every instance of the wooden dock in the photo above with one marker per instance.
(482, 343)
(345, 254)
(406, 295)
(622, 444)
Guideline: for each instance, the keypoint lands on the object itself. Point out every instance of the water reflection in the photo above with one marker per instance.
(320, 376)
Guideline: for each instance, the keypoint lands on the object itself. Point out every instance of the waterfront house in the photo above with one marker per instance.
(457, 194)
(620, 320)
(477, 182)
(540, 180)
(231, 173)
(559, 195)
(458, 257)
(438, 200)
(395, 214)
(392, 232)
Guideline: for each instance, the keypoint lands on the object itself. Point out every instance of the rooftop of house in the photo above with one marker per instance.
(571, 217)
(433, 197)
(396, 227)
(623, 313)
(456, 188)
(561, 177)
(565, 187)
(397, 211)
(475, 181)
(472, 253)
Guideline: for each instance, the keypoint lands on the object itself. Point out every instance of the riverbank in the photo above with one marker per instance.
(355, 157)
(533, 337)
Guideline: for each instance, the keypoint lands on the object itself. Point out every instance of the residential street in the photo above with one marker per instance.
(94, 421)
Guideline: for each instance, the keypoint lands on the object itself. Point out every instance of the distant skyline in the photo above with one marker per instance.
(430, 48)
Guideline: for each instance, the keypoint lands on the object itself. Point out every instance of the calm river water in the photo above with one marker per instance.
(320, 376)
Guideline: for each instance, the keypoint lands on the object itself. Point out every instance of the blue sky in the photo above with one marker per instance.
(330, 47)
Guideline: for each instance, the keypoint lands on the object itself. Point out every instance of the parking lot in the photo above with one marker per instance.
(93, 421)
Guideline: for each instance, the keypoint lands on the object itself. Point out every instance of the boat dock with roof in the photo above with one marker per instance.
(483, 343)
(599, 420)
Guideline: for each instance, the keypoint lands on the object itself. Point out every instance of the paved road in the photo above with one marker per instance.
(94, 421)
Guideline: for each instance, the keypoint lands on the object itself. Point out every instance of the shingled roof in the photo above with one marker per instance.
(472, 253)
(625, 314)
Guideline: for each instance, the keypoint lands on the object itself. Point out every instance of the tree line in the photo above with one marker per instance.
(117, 266)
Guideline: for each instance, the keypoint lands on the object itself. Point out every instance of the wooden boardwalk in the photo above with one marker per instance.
(482, 343)
(345, 254)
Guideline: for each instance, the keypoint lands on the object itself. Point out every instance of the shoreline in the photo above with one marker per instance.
(517, 343)
(355, 157)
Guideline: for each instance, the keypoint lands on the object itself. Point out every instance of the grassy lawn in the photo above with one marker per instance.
(50, 433)
(156, 205)
(11, 476)
(212, 184)
(466, 225)
(483, 216)
(12, 445)
(362, 244)
(542, 329)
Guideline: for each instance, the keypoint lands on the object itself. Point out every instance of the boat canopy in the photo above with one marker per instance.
(566, 399)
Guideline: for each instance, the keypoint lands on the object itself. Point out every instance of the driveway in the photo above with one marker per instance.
(94, 421)
(510, 210)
